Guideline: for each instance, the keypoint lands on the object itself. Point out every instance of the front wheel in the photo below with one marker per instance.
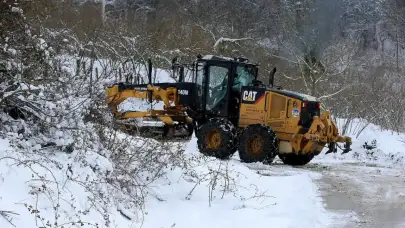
(216, 138)
(258, 143)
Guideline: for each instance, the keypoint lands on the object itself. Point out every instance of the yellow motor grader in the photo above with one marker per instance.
(229, 110)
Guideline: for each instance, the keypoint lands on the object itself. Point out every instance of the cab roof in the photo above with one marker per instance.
(296, 95)
(228, 59)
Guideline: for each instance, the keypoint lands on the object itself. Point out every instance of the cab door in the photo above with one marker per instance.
(217, 88)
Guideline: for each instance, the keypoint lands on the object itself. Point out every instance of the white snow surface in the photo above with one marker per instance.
(252, 200)
(287, 201)
(389, 151)
(26, 185)
(140, 105)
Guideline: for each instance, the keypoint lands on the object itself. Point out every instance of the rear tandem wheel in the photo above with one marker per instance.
(258, 143)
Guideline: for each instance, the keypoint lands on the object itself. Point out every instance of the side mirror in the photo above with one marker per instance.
(271, 76)
(174, 60)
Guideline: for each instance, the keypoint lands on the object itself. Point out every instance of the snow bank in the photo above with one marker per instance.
(39, 189)
(199, 192)
(389, 145)
(253, 200)
(288, 201)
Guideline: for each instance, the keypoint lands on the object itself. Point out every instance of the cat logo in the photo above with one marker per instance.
(183, 92)
(249, 95)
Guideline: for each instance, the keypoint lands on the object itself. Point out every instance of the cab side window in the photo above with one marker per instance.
(218, 85)
(243, 78)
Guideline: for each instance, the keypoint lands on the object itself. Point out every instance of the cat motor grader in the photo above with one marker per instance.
(229, 110)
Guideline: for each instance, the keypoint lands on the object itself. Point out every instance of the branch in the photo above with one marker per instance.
(6, 215)
(290, 78)
(229, 40)
(333, 94)
(282, 58)
(209, 31)
(304, 79)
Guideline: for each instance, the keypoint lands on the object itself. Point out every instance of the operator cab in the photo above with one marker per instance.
(219, 81)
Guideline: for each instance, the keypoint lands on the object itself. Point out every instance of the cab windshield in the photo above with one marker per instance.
(245, 76)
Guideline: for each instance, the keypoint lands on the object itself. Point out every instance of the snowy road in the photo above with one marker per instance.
(375, 196)
(360, 195)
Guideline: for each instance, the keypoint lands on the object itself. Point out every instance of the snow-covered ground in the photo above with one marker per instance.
(389, 145)
(282, 199)
(206, 193)
(209, 193)
(37, 189)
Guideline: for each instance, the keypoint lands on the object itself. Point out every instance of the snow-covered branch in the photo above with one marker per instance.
(224, 41)
(335, 93)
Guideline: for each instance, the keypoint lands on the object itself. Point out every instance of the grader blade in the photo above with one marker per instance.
(347, 148)
(332, 148)
(333, 137)
(322, 131)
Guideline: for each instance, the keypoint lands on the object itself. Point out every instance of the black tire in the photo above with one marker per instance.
(216, 138)
(258, 143)
(295, 159)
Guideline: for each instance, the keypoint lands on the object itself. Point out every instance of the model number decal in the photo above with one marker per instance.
(249, 95)
(183, 92)
(140, 88)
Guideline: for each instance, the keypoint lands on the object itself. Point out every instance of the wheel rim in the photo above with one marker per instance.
(255, 145)
(213, 140)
